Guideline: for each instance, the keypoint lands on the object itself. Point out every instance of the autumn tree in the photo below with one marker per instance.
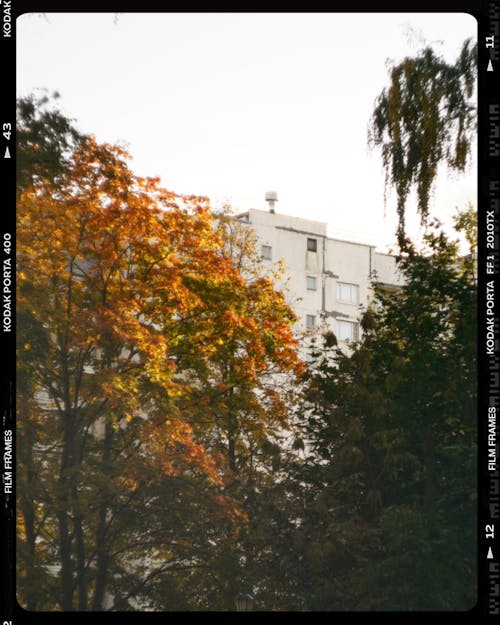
(134, 326)
(244, 401)
(427, 116)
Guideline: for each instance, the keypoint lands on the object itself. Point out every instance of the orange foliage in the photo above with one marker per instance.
(142, 313)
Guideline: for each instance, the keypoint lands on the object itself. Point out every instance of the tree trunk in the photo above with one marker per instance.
(26, 474)
(101, 548)
(65, 490)
(28, 512)
(66, 568)
(232, 454)
(80, 563)
(81, 577)
(65, 539)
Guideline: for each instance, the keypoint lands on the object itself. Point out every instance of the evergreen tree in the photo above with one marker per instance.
(392, 431)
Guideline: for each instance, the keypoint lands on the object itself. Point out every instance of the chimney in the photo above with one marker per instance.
(271, 198)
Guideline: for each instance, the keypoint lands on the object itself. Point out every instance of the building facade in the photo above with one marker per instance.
(328, 281)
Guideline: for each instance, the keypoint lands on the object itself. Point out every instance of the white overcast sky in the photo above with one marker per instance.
(231, 105)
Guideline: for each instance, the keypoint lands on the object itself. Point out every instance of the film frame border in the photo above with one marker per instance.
(487, 14)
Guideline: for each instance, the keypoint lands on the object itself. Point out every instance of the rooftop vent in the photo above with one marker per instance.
(271, 198)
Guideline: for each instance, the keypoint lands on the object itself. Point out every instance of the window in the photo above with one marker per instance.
(310, 322)
(312, 245)
(347, 293)
(311, 283)
(347, 330)
(267, 252)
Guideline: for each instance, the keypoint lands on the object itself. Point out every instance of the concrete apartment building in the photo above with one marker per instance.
(328, 279)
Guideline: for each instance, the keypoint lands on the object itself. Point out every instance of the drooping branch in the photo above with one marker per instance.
(425, 117)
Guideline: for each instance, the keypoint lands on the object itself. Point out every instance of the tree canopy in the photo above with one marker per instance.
(425, 117)
(391, 429)
(142, 358)
(174, 451)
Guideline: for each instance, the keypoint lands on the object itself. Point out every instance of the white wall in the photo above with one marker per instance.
(334, 261)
